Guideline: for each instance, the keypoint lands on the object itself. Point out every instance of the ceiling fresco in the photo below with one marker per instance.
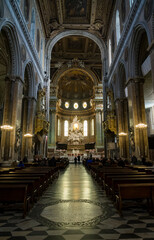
(76, 8)
(75, 84)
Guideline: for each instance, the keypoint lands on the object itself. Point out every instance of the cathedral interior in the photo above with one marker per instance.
(76, 103)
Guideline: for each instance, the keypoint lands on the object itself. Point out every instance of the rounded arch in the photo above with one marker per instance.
(64, 69)
(139, 30)
(30, 74)
(63, 34)
(11, 33)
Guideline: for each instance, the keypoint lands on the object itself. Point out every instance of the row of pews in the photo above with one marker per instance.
(22, 187)
(125, 183)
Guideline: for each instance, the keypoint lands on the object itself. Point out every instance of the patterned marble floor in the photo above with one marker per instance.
(74, 207)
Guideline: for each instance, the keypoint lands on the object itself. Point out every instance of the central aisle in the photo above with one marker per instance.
(74, 207)
(75, 183)
(73, 200)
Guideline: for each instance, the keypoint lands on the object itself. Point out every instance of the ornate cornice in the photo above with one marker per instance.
(131, 20)
(25, 31)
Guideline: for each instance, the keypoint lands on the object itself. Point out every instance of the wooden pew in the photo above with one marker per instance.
(108, 179)
(36, 179)
(129, 180)
(31, 188)
(14, 193)
(134, 191)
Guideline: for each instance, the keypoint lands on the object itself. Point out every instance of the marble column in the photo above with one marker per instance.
(137, 115)
(13, 88)
(122, 124)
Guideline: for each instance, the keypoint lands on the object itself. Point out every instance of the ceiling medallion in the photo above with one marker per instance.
(76, 105)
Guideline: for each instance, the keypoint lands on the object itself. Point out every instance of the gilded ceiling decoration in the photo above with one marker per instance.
(90, 15)
(75, 84)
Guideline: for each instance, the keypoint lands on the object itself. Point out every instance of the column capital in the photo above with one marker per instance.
(29, 98)
(135, 80)
(14, 79)
(120, 99)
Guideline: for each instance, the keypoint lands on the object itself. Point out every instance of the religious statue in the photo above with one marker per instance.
(75, 135)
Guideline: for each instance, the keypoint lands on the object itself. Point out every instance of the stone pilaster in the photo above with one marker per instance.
(151, 53)
(13, 88)
(122, 124)
(137, 115)
(99, 130)
(52, 131)
(29, 106)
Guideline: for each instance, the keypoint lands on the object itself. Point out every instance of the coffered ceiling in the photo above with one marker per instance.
(91, 15)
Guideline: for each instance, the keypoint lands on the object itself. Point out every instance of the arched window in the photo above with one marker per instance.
(32, 28)
(41, 54)
(66, 128)
(131, 3)
(59, 127)
(117, 26)
(92, 127)
(110, 56)
(85, 128)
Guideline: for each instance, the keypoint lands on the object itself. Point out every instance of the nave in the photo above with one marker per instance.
(75, 207)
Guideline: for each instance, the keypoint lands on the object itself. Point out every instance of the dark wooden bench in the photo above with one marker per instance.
(133, 191)
(13, 194)
(128, 180)
(108, 179)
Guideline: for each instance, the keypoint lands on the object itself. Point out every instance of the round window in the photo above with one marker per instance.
(84, 104)
(67, 104)
(76, 105)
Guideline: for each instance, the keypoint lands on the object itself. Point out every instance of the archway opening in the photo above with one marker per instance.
(75, 94)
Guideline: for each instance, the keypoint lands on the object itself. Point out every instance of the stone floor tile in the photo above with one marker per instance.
(55, 232)
(110, 236)
(28, 224)
(91, 237)
(73, 237)
(35, 237)
(20, 233)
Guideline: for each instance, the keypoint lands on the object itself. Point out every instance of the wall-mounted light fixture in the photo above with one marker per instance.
(28, 135)
(6, 127)
(122, 134)
(141, 125)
